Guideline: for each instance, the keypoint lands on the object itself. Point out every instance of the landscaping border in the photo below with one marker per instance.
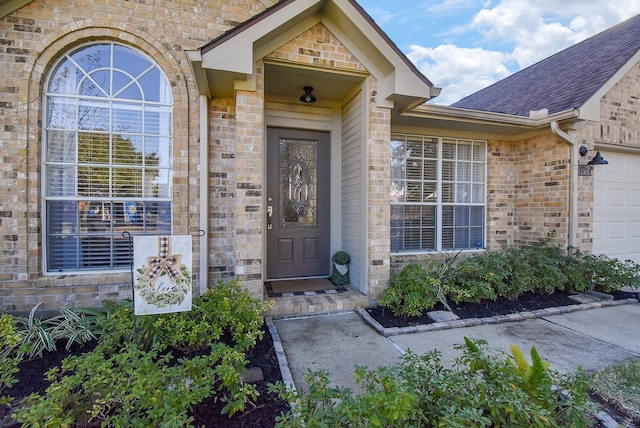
(469, 322)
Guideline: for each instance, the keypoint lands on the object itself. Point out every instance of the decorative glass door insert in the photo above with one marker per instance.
(299, 182)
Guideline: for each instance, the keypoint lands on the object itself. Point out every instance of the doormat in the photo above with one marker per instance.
(301, 287)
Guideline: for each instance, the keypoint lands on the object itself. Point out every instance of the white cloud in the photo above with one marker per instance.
(515, 34)
(460, 70)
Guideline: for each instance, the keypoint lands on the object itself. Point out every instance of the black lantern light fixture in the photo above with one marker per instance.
(308, 97)
(597, 159)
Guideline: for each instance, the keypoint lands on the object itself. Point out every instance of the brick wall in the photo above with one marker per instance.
(541, 191)
(31, 39)
(619, 126)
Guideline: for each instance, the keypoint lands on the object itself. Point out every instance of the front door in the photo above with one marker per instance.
(298, 181)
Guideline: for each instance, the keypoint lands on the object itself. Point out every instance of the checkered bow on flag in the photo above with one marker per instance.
(164, 262)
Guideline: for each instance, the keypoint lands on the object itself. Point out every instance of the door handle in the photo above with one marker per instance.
(269, 215)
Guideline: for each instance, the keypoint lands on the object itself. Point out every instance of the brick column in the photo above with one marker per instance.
(378, 213)
(250, 141)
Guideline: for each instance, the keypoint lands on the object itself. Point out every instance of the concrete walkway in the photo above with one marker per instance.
(337, 343)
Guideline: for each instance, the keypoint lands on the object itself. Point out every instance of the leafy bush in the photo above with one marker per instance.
(9, 355)
(42, 334)
(225, 312)
(483, 389)
(541, 268)
(132, 379)
(413, 291)
(599, 272)
(136, 388)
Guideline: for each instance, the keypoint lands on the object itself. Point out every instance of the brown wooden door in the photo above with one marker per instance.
(298, 184)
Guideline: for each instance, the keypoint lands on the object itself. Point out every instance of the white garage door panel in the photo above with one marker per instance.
(616, 208)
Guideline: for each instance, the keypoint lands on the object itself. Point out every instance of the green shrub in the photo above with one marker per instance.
(71, 326)
(9, 355)
(483, 389)
(599, 272)
(413, 291)
(226, 311)
(136, 388)
(131, 377)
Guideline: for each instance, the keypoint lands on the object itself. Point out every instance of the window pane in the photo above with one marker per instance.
(430, 170)
(431, 149)
(414, 148)
(61, 146)
(414, 191)
(127, 149)
(447, 216)
(93, 57)
(93, 148)
(161, 185)
(61, 180)
(476, 216)
(127, 118)
(429, 192)
(478, 152)
(447, 192)
(157, 121)
(463, 171)
(478, 173)
(448, 151)
(61, 113)
(478, 193)
(461, 237)
(93, 181)
(461, 216)
(448, 171)
(464, 152)
(93, 115)
(397, 150)
(463, 193)
(414, 169)
(130, 60)
(97, 84)
(66, 78)
(397, 191)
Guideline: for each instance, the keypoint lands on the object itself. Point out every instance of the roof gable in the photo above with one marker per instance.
(570, 79)
(231, 57)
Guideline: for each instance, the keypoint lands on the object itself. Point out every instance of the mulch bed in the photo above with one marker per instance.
(502, 306)
(260, 414)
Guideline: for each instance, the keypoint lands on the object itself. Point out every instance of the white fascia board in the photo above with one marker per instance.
(200, 75)
(590, 110)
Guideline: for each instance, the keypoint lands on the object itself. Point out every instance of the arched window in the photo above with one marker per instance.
(107, 165)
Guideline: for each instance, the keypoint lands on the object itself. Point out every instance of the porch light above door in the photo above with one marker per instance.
(308, 97)
(597, 159)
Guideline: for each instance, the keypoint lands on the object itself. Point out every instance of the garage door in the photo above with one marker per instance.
(616, 211)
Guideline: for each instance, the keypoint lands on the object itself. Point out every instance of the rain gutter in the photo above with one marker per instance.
(573, 181)
(204, 193)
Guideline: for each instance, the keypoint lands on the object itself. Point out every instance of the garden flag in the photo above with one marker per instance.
(162, 276)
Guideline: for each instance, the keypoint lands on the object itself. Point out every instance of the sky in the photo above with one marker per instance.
(463, 46)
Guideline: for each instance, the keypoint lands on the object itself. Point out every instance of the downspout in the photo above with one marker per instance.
(204, 193)
(573, 182)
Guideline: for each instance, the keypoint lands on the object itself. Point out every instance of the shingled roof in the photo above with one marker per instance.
(563, 81)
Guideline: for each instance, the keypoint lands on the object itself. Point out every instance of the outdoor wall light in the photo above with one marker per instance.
(597, 159)
(308, 97)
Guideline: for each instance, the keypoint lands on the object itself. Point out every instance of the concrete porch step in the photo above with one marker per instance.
(317, 303)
